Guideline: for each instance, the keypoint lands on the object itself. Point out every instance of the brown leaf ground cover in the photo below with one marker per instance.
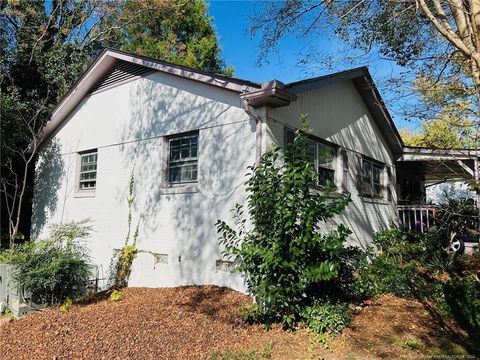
(204, 322)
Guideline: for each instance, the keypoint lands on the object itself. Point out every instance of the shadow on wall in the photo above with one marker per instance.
(225, 152)
(48, 177)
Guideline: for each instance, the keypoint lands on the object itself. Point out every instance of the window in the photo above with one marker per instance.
(325, 164)
(323, 159)
(372, 185)
(88, 170)
(183, 159)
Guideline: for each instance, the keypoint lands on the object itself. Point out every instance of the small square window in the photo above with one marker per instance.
(183, 159)
(88, 170)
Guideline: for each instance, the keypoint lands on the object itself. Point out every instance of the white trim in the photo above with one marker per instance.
(87, 192)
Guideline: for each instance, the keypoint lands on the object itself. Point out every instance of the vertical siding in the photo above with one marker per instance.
(338, 114)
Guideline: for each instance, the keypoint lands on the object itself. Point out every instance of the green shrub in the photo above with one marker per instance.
(55, 268)
(418, 267)
(235, 355)
(326, 317)
(390, 238)
(476, 253)
(288, 261)
(456, 218)
(407, 265)
(462, 295)
(386, 275)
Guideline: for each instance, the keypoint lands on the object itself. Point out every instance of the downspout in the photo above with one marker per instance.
(258, 128)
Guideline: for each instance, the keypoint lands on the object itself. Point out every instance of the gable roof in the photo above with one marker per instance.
(131, 65)
(114, 67)
(368, 91)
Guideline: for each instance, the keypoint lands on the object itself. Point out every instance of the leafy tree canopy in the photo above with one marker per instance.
(435, 43)
(442, 134)
(45, 45)
(182, 35)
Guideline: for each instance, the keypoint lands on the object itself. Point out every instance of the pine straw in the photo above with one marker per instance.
(196, 321)
(170, 323)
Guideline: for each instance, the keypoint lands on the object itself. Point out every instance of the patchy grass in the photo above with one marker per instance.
(411, 344)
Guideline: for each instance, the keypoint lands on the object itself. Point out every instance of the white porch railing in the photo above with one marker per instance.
(416, 217)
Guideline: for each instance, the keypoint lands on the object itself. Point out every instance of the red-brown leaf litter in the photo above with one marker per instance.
(202, 322)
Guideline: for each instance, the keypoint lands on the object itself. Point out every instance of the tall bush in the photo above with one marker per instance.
(288, 261)
(55, 268)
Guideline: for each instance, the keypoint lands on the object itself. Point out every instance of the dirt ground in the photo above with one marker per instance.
(204, 322)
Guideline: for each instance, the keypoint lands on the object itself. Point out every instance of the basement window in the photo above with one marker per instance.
(183, 159)
(88, 170)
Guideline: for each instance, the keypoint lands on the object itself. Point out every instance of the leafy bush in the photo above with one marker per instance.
(476, 253)
(288, 261)
(411, 344)
(327, 317)
(418, 267)
(6, 312)
(394, 269)
(386, 275)
(456, 219)
(55, 268)
(462, 296)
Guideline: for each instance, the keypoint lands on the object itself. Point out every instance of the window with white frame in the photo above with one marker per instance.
(323, 158)
(88, 170)
(372, 178)
(183, 159)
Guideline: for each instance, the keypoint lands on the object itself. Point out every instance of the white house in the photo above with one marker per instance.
(190, 136)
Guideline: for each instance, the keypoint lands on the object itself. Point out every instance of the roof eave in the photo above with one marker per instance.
(368, 91)
(272, 97)
(103, 63)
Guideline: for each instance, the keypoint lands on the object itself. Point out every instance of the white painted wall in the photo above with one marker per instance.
(126, 125)
(337, 113)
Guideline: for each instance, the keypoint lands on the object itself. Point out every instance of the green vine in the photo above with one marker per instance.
(127, 254)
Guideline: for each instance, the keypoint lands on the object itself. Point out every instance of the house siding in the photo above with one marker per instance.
(178, 242)
(337, 113)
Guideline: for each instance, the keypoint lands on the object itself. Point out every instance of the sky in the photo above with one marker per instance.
(240, 49)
